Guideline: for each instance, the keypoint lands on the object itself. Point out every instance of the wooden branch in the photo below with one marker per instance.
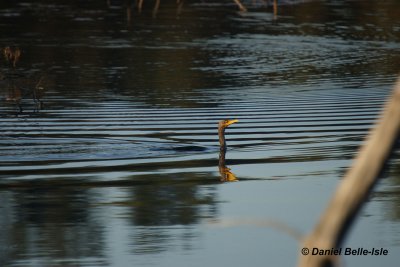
(355, 186)
(140, 5)
(240, 5)
(275, 7)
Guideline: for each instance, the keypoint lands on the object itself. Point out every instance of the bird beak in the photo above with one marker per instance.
(231, 122)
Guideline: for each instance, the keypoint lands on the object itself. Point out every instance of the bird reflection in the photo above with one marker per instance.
(224, 171)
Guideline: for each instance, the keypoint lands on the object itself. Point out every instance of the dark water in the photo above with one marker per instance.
(120, 167)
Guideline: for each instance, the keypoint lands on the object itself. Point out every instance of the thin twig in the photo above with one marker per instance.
(278, 225)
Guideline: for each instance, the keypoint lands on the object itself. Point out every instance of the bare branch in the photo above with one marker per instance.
(355, 186)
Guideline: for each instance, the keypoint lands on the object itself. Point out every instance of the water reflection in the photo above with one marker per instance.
(45, 224)
(224, 171)
(152, 209)
(169, 204)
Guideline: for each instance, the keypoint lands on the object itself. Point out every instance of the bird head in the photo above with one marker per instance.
(225, 123)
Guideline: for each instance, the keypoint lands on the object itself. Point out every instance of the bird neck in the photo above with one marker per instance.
(221, 159)
(221, 134)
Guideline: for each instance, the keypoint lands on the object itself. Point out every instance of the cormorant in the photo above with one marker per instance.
(224, 171)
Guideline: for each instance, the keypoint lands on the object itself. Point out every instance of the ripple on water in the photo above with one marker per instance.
(117, 136)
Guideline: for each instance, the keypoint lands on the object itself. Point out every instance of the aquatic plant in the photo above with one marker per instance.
(15, 83)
